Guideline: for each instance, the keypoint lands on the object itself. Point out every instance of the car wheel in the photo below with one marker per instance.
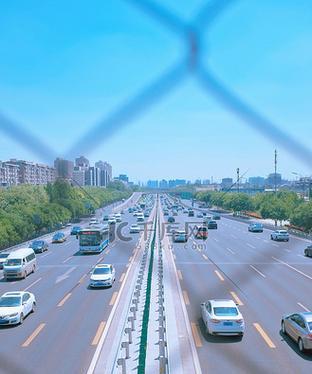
(306, 253)
(21, 318)
(300, 345)
(34, 268)
(25, 275)
(271, 237)
(33, 308)
(284, 328)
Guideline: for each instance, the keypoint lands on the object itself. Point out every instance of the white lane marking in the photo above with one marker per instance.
(275, 245)
(32, 284)
(258, 271)
(69, 258)
(64, 276)
(251, 246)
(231, 251)
(301, 256)
(266, 241)
(287, 250)
(291, 267)
(234, 237)
(304, 307)
(47, 254)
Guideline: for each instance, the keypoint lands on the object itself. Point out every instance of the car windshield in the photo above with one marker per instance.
(4, 255)
(102, 271)
(90, 239)
(202, 229)
(10, 301)
(37, 243)
(58, 235)
(224, 311)
(13, 262)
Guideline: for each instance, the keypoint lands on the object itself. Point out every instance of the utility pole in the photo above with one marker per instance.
(275, 169)
(237, 182)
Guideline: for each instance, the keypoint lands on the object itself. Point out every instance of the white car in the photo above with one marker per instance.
(103, 275)
(94, 221)
(134, 229)
(15, 306)
(222, 317)
(118, 217)
(280, 235)
(111, 220)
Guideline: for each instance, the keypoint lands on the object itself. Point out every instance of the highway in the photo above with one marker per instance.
(267, 279)
(61, 336)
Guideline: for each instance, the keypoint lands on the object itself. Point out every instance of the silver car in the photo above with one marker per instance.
(280, 235)
(299, 327)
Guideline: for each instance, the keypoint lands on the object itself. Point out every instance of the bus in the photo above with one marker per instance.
(93, 239)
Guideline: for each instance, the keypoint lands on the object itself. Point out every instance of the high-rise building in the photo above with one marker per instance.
(9, 174)
(163, 184)
(106, 172)
(274, 179)
(93, 176)
(152, 184)
(82, 163)
(32, 173)
(227, 182)
(256, 181)
(79, 176)
(64, 168)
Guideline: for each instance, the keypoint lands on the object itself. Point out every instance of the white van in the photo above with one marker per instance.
(20, 263)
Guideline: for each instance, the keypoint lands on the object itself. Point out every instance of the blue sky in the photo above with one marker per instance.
(65, 65)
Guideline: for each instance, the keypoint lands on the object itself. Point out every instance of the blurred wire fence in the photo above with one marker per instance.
(163, 85)
(190, 64)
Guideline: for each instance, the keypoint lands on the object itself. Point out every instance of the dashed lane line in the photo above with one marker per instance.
(32, 337)
(258, 271)
(264, 335)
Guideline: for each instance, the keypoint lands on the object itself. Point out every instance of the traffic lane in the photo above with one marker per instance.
(220, 353)
(98, 319)
(258, 267)
(66, 344)
(248, 245)
(270, 293)
(294, 248)
(54, 257)
(243, 226)
(238, 280)
(58, 295)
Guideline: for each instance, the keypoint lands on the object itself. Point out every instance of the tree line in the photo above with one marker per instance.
(283, 205)
(28, 211)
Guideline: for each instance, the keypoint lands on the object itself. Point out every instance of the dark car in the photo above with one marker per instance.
(308, 251)
(212, 225)
(191, 213)
(216, 217)
(106, 218)
(171, 219)
(39, 246)
(59, 237)
(75, 230)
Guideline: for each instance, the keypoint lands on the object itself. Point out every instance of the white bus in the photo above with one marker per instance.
(93, 239)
